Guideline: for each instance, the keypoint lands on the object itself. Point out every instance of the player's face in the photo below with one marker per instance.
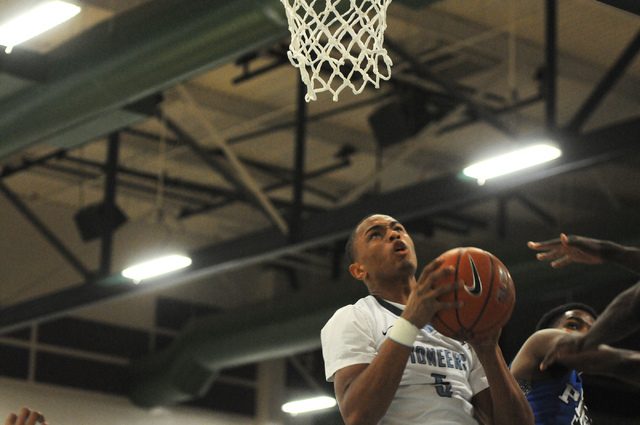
(575, 321)
(383, 247)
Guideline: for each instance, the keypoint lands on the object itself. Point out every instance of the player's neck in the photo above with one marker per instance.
(397, 292)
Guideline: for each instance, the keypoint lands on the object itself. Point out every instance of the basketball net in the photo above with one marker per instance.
(339, 46)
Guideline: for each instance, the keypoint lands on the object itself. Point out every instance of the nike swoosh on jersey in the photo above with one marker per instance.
(476, 289)
(387, 331)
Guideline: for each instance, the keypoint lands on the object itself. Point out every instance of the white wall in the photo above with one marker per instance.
(62, 406)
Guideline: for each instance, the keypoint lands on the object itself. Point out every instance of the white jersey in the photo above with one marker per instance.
(441, 376)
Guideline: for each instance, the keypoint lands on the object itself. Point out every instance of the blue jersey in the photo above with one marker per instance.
(557, 401)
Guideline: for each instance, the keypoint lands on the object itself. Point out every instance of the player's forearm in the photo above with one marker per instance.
(616, 363)
(628, 369)
(628, 257)
(510, 406)
(369, 395)
(620, 319)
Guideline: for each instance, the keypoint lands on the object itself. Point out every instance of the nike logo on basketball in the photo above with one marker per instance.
(476, 289)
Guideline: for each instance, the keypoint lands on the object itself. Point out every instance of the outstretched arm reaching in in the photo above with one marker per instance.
(553, 346)
(620, 319)
(579, 249)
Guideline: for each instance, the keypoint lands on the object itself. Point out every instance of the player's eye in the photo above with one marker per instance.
(574, 325)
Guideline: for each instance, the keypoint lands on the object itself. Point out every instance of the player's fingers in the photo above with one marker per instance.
(549, 255)
(533, 245)
(544, 245)
(433, 265)
(561, 262)
(23, 414)
(431, 275)
(548, 360)
(449, 306)
(445, 289)
(34, 417)
(11, 419)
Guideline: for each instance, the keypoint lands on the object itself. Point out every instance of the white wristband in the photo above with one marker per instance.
(404, 332)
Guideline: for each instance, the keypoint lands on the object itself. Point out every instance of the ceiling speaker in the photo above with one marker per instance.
(91, 221)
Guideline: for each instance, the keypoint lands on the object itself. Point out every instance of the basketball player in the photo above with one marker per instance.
(389, 367)
(555, 393)
(26, 416)
(619, 319)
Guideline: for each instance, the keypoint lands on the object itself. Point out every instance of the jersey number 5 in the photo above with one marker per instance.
(443, 388)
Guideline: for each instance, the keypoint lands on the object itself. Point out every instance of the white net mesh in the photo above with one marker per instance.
(340, 46)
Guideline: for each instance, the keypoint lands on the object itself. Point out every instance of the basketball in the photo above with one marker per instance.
(488, 295)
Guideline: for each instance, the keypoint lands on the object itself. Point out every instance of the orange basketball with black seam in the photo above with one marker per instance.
(488, 295)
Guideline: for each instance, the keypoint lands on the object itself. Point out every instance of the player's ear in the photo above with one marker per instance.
(357, 271)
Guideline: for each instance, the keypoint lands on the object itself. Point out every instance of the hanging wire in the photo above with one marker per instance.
(162, 163)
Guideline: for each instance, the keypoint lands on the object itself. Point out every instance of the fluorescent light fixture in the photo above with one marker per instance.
(511, 162)
(36, 21)
(156, 267)
(308, 405)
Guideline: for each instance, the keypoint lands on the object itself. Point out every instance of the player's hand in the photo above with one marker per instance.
(424, 301)
(487, 343)
(26, 416)
(567, 346)
(569, 249)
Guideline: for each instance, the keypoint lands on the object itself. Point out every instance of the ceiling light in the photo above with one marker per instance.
(511, 162)
(36, 21)
(308, 405)
(156, 267)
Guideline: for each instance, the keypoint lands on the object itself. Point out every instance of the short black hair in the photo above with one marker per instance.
(350, 249)
(549, 318)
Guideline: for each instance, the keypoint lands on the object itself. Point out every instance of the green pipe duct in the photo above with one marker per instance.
(246, 335)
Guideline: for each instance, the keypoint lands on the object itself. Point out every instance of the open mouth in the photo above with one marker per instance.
(399, 247)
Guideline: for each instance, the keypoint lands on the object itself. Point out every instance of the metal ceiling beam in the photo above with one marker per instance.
(237, 171)
(223, 165)
(175, 186)
(288, 124)
(46, 232)
(420, 200)
(423, 71)
(606, 83)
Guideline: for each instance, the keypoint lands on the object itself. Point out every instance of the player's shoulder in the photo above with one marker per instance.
(359, 307)
(545, 336)
(538, 344)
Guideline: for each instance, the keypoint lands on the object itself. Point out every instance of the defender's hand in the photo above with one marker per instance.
(569, 249)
